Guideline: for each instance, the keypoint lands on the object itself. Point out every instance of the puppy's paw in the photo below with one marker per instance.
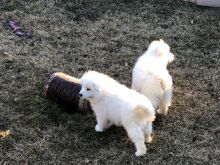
(148, 139)
(159, 111)
(98, 128)
(141, 152)
(162, 112)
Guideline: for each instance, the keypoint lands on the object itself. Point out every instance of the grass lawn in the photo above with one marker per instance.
(73, 36)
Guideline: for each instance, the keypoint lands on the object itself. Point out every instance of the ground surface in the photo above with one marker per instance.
(76, 35)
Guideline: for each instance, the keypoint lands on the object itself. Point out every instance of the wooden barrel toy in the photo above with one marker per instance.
(64, 90)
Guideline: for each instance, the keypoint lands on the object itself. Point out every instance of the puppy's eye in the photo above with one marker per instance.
(88, 89)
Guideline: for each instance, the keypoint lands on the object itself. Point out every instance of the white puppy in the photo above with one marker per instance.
(115, 104)
(151, 77)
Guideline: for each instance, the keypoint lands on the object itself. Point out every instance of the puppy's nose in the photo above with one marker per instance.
(80, 95)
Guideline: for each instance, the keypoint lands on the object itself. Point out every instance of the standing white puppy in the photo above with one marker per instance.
(151, 77)
(115, 104)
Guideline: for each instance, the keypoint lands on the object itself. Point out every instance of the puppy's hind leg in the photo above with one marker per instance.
(147, 132)
(137, 137)
(165, 102)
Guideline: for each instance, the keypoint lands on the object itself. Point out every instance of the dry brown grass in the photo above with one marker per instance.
(76, 35)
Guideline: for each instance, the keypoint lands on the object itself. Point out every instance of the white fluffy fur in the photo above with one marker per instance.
(115, 104)
(151, 77)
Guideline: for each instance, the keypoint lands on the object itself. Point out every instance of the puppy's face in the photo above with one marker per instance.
(89, 90)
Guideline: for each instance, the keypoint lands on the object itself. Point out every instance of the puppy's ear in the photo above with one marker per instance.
(162, 49)
(160, 52)
(103, 91)
(100, 89)
(95, 87)
(161, 40)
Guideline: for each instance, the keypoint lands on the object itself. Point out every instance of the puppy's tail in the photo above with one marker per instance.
(144, 114)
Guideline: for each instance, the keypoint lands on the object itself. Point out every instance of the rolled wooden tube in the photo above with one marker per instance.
(64, 90)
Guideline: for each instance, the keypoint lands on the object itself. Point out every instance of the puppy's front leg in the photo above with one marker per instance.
(102, 124)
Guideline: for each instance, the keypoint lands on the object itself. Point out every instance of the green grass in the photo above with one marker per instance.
(73, 36)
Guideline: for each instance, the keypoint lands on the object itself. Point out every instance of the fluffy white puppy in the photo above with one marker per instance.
(151, 77)
(115, 104)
